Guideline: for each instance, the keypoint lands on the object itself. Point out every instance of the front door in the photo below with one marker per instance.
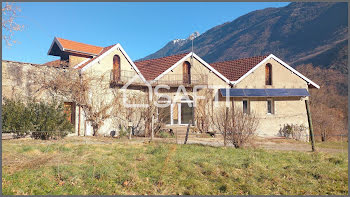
(69, 110)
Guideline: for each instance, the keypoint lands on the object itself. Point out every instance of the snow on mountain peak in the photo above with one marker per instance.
(177, 40)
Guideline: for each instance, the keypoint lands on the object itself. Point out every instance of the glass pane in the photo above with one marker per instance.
(164, 114)
(186, 113)
(245, 107)
(269, 109)
(175, 114)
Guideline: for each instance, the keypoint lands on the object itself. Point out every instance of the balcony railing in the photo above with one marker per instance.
(178, 79)
(168, 79)
(124, 76)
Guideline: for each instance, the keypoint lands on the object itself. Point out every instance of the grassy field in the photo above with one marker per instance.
(81, 166)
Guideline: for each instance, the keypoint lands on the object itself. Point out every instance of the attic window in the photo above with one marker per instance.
(268, 74)
(186, 73)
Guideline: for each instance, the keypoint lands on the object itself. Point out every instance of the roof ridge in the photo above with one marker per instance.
(240, 59)
(163, 57)
(110, 46)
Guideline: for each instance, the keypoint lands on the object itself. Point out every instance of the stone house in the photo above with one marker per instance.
(263, 85)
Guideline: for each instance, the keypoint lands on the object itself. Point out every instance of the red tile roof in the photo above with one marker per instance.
(54, 63)
(235, 69)
(57, 63)
(104, 50)
(80, 47)
(152, 68)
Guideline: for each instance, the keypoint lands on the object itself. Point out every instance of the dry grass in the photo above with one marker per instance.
(96, 166)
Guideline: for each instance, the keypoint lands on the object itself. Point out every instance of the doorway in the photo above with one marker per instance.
(186, 111)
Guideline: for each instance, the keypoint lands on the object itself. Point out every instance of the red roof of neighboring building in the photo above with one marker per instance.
(235, 69)
(104, 50)
(80, 47)
(152, 68)
(57, 63)
(54, 63)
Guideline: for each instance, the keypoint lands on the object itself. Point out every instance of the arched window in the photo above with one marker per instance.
(186, 72)
(268, 74)
(116, 68)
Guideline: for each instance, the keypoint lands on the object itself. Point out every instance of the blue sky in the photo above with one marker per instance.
(141, 28)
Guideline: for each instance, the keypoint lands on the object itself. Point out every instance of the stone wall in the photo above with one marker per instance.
(17, 80)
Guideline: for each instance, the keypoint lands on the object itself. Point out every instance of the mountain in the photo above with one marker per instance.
(172, 47)
(299, 33)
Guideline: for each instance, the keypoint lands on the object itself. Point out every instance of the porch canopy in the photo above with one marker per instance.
(233, 92)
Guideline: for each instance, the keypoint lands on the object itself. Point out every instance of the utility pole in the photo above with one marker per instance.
(188, 129)
(310, 126)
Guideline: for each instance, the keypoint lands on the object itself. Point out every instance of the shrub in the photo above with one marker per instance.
(16, 118)
(43, 120)
(165, 134)
(293, 131)
(243, 129)
(123, 131)
(235, 126)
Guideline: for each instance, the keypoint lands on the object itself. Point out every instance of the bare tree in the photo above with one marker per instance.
(236, 127)
(132, 116)
(329, 104)
(9, 26)
(88, 91)
(203, 110)
(243, 129)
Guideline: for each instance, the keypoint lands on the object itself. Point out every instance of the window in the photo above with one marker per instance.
(268, 74)
(270, 106)
(245, 106)
(116, 68)
(186, 72)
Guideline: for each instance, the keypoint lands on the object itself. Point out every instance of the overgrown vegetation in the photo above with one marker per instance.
(73, 167)
(293, 131)
(329, 104)
(165, 134)
(235, 126)
(42, 120)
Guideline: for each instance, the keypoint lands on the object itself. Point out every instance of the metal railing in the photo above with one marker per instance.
(178, 79)
(124, 77)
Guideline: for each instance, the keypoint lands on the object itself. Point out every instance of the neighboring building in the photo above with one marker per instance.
(265, 85)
